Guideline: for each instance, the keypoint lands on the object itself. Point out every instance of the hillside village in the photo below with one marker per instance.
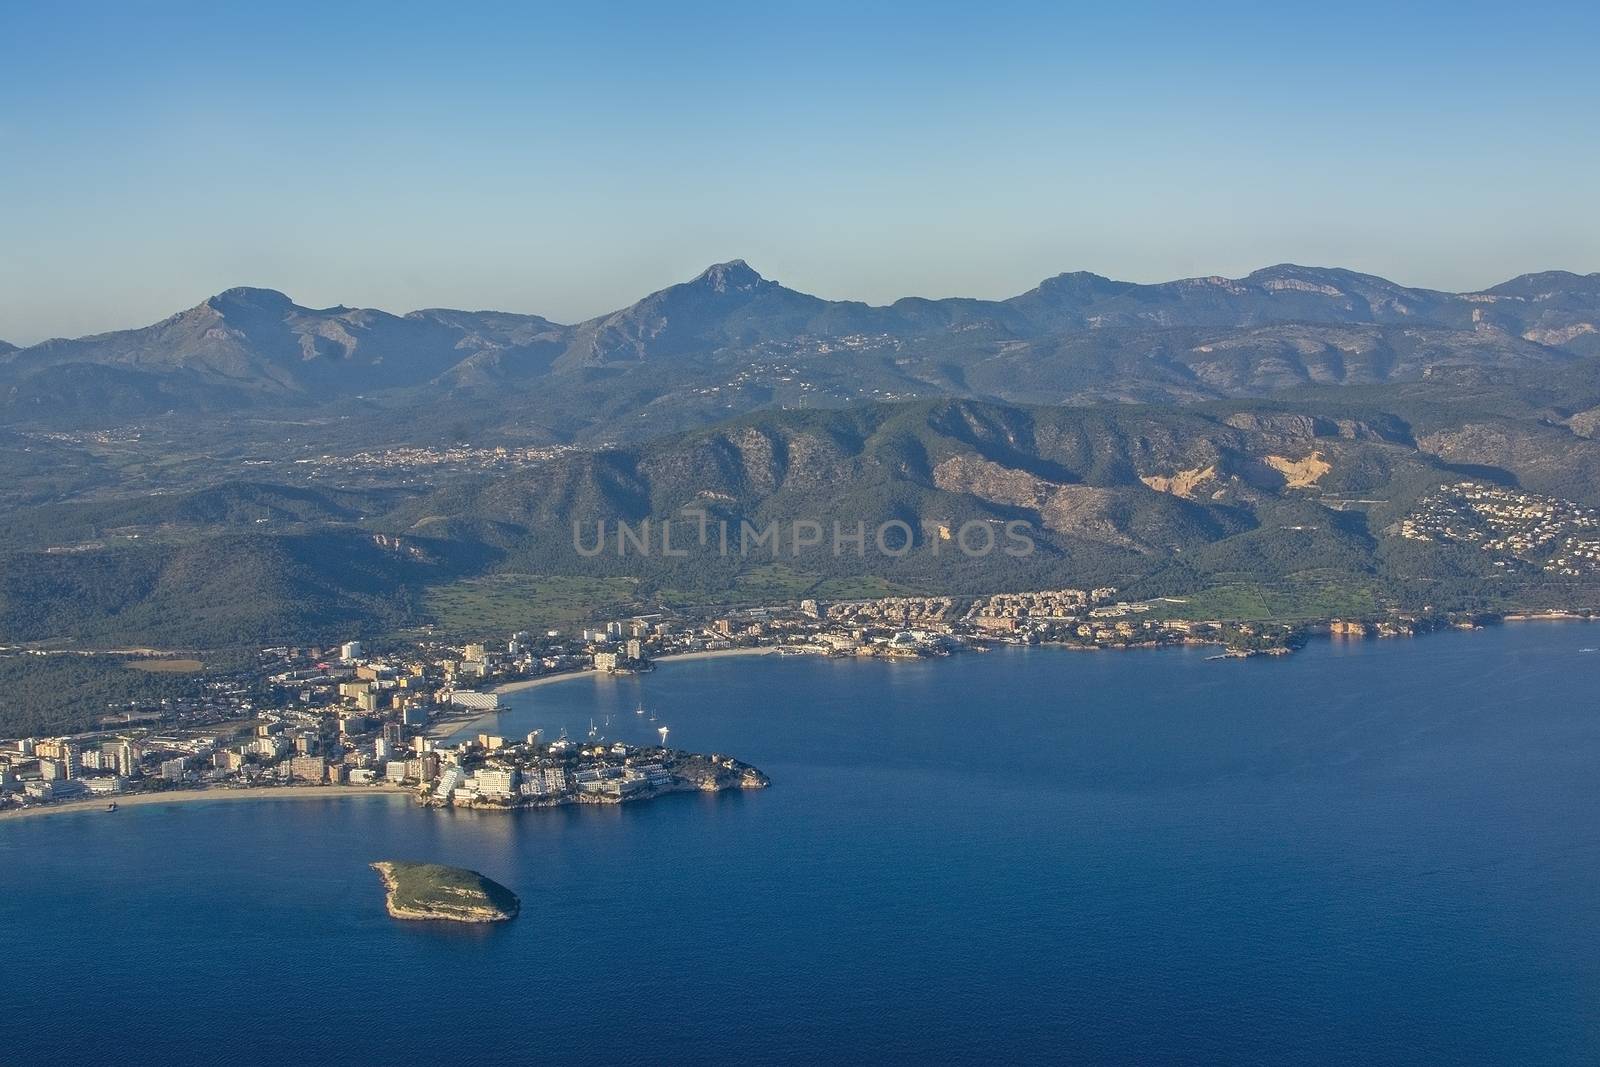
(1515, 527)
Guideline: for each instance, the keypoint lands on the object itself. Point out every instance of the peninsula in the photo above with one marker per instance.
(498, 774)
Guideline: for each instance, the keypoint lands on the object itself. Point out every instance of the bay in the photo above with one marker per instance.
(1376, 851)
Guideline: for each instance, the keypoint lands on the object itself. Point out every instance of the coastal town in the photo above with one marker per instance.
(343, 718)
(418, 717)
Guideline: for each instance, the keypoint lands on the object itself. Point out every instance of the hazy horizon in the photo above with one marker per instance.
(563, 164)
(691, 272)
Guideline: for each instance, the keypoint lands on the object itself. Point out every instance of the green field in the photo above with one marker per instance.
(779, 583)
(166, 666)
(1299, 599)
(511, 602)
(773, 582)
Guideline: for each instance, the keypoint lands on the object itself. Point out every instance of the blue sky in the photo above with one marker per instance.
(565, 160)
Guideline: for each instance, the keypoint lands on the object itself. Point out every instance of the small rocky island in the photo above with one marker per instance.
(433, 891)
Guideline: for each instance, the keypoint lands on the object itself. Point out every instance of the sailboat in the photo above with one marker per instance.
(640, 709)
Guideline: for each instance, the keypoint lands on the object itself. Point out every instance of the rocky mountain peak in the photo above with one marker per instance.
(246, 298)
(733, 276)
(1080, 282)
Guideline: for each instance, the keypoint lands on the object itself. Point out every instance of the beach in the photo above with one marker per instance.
(189, 796)
(451, 725)
(671, 657)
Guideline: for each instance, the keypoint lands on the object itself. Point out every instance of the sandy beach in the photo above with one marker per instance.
(451, 725)
(677, 657)
(717, 653)
(191, 796)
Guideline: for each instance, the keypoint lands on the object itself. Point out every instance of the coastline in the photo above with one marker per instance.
(190, 796)
(450, 726)
(671, 657)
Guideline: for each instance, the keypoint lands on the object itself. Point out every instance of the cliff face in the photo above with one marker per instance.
(431, 891)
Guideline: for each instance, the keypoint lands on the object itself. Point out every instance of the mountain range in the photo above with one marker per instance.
(1299, 499)
(730, 341)
(254, 471)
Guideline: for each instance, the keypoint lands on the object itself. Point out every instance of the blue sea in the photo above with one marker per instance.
(1374, 852)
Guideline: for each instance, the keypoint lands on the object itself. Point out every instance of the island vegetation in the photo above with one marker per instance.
(432, 891)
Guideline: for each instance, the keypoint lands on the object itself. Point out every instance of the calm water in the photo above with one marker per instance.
(1379, 852)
